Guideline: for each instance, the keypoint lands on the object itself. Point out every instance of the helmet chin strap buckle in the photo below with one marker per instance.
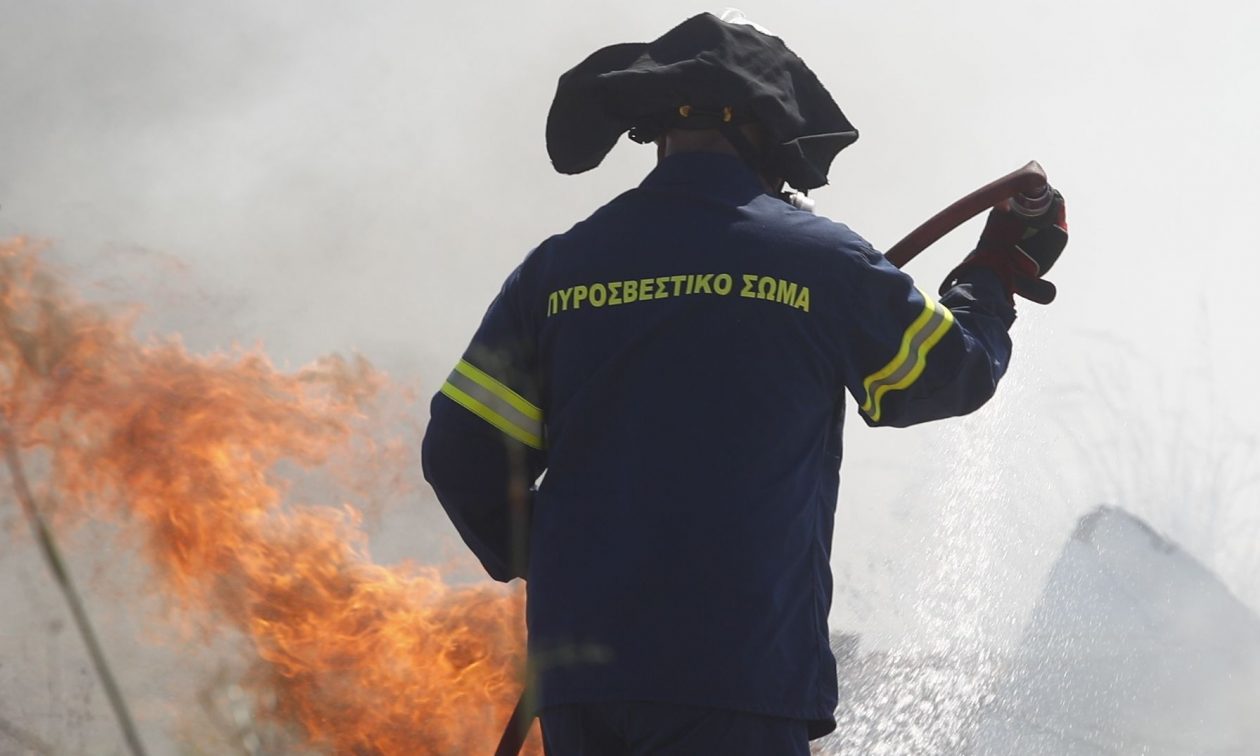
(798, 200)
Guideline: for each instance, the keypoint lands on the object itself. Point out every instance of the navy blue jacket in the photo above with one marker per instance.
(677, 364)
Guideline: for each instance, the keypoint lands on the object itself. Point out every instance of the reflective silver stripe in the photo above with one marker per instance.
(494, 409)
(906, 367)
(916, 344)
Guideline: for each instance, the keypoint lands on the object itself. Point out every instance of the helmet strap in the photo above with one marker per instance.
(749, 152)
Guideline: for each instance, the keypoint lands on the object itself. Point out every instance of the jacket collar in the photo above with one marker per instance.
(710, 174)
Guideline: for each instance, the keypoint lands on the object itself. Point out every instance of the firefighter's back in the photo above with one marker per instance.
(680, 537)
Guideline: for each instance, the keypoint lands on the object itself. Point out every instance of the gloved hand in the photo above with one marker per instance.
(1020, 250)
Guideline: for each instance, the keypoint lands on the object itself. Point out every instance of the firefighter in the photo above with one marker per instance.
(646, 426)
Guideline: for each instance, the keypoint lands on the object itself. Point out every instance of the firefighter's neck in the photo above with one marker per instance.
(695, 140)
(677, 141)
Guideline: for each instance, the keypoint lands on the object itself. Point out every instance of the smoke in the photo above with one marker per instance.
(334, 169)
(317, 177)
(1186, 472)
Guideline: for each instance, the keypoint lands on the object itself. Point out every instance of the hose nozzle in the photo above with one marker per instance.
(1033, 204)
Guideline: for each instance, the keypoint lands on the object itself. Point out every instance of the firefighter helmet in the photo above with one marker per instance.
(704, 73)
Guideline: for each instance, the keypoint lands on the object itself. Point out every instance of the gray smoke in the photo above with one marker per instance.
(322, 176)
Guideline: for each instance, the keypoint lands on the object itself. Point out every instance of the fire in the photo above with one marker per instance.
(184, 449)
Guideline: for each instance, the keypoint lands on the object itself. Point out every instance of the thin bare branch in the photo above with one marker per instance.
(52, 555)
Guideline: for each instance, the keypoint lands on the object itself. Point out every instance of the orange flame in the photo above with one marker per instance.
(365, 659)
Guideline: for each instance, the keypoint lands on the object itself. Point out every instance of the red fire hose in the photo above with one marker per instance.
(1026, 185)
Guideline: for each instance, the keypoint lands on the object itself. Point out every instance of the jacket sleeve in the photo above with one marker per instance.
(484, 446)
(915, 359)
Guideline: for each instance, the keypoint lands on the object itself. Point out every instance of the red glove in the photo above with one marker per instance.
(1020, 250)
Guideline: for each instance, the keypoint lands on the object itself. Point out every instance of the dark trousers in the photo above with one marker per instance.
(655, 729)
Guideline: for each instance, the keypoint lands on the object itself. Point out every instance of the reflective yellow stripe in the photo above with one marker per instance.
(908, 364)
(484, 380)
(479, 393)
